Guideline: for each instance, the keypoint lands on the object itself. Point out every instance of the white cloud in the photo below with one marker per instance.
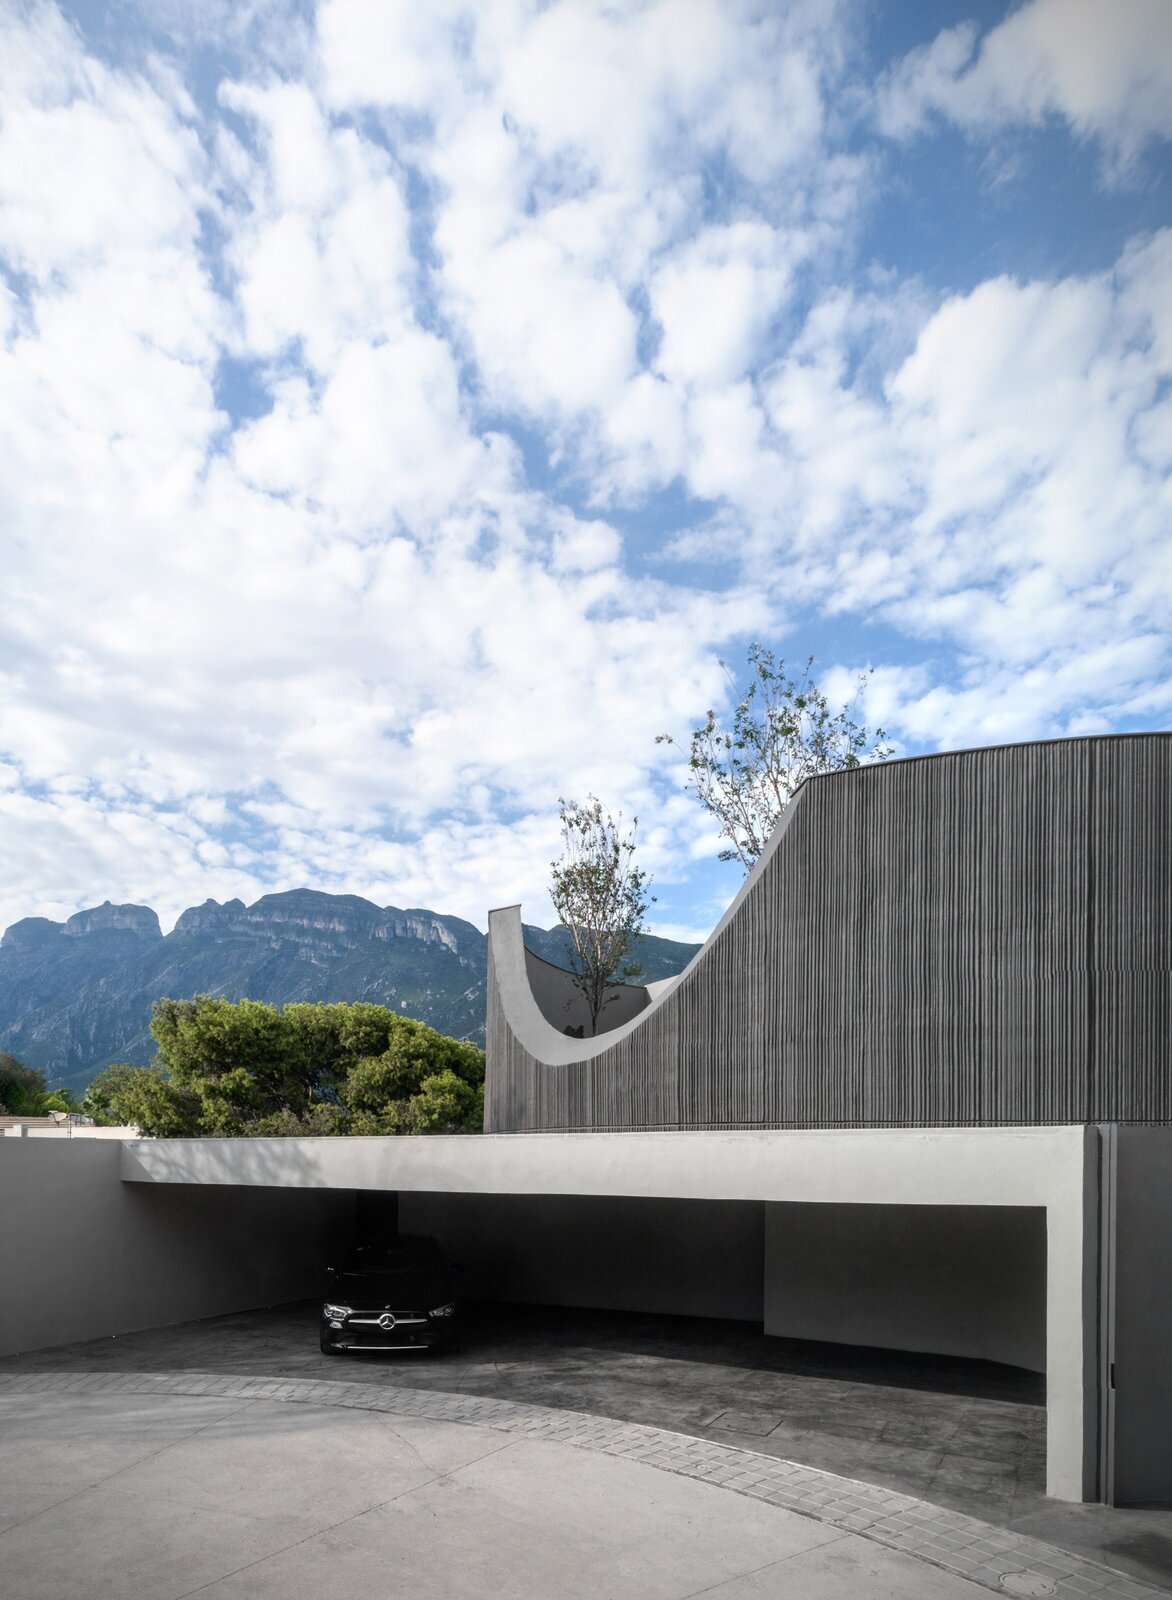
(542, 330)
(319, 232)
(1106, 70)
(382, 439)
(480, 269)
(1004, 491)
(386, 52)
(715, 298)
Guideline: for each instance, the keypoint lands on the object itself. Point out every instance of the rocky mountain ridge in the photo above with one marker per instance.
(76, 995)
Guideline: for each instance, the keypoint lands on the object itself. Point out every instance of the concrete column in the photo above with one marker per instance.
(1072, 1322)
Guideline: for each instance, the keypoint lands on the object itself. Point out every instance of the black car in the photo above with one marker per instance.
(392, 1296)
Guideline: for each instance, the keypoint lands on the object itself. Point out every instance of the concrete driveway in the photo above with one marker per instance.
(112, 1490)
(957, 1435)
(965, 1434)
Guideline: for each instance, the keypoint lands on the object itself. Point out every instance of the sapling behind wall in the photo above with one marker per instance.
(600, 897)
(783, 731)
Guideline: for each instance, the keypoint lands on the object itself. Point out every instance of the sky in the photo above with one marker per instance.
(405, 408)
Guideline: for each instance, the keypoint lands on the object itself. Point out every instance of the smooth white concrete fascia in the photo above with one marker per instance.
(661, 986)
(892, 1166)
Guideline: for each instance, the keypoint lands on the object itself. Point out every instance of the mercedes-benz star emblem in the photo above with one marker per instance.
(387, 1320)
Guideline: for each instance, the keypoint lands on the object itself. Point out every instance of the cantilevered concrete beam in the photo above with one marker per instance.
(1052, 1168)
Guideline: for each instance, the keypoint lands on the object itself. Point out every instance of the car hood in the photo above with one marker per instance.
(402, 1291)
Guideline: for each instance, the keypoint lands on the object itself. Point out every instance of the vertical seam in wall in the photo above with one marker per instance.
(1091, 1089)
(1105, 1454)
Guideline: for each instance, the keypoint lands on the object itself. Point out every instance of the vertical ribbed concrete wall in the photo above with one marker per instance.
(976, 938)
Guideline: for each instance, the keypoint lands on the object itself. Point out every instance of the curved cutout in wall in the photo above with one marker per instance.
(982, 937)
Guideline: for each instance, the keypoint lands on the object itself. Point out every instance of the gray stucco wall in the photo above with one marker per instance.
(84, 1255)
(975, 938)
(563, 1005)
(954, 1280)
(683, 1257)
(1140, 1268)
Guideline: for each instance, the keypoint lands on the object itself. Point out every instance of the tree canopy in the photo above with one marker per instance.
(24, 1093)
(246, 1068)
(783, 731)
(600, 896)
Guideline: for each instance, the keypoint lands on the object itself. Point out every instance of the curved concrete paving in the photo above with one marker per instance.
(159, 1486)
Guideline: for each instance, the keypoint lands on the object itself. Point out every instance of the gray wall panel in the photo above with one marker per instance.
(1142, 1274)
(955, 1280)
(84, 1255)
(701, 1258)
(978, 938)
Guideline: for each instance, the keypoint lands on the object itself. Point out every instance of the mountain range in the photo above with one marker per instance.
(77, 995)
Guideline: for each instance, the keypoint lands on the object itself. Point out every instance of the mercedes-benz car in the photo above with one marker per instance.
(392, 1296)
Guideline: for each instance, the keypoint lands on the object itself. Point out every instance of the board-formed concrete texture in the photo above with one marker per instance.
(978, 938)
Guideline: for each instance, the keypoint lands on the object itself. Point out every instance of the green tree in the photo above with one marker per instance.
(422, 1082)
(447, 1103)
(242, 1059)
(331, 1036)
(783, 731)
(23, 1092)
(145, 1098)
(600, 897)
(98, 1102)
(234, 1068)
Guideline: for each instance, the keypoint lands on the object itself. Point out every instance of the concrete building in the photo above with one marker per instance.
(914, 1092)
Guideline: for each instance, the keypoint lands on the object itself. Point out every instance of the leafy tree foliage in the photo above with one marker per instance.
(98, 1100)
(783, 731)
(144, 1098)
(23, 1091)
(601, 898)
(230, 1068)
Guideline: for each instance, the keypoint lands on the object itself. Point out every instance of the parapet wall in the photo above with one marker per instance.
(972, 939)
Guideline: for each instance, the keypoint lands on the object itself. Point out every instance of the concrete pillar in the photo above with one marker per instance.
(1072, 1332)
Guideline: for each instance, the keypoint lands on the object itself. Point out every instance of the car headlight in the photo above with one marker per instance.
(335, 1311)
(442, 1311)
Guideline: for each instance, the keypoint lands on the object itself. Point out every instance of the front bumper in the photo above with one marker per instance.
(409, 1331)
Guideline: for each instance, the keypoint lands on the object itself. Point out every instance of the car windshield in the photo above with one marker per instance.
(402, 1255)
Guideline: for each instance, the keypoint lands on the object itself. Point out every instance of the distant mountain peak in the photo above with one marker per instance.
(75, 996)
(140, 920)
(198, 919)
(30, 931)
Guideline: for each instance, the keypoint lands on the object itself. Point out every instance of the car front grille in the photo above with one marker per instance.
(370, 1319)
(365, 1330)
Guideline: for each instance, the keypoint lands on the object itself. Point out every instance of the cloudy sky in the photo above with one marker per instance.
(403, 407)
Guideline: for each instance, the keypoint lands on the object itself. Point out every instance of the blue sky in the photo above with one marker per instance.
(405, 408)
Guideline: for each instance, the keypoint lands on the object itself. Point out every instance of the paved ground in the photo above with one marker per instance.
(124, 1486)
(961, 1435)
